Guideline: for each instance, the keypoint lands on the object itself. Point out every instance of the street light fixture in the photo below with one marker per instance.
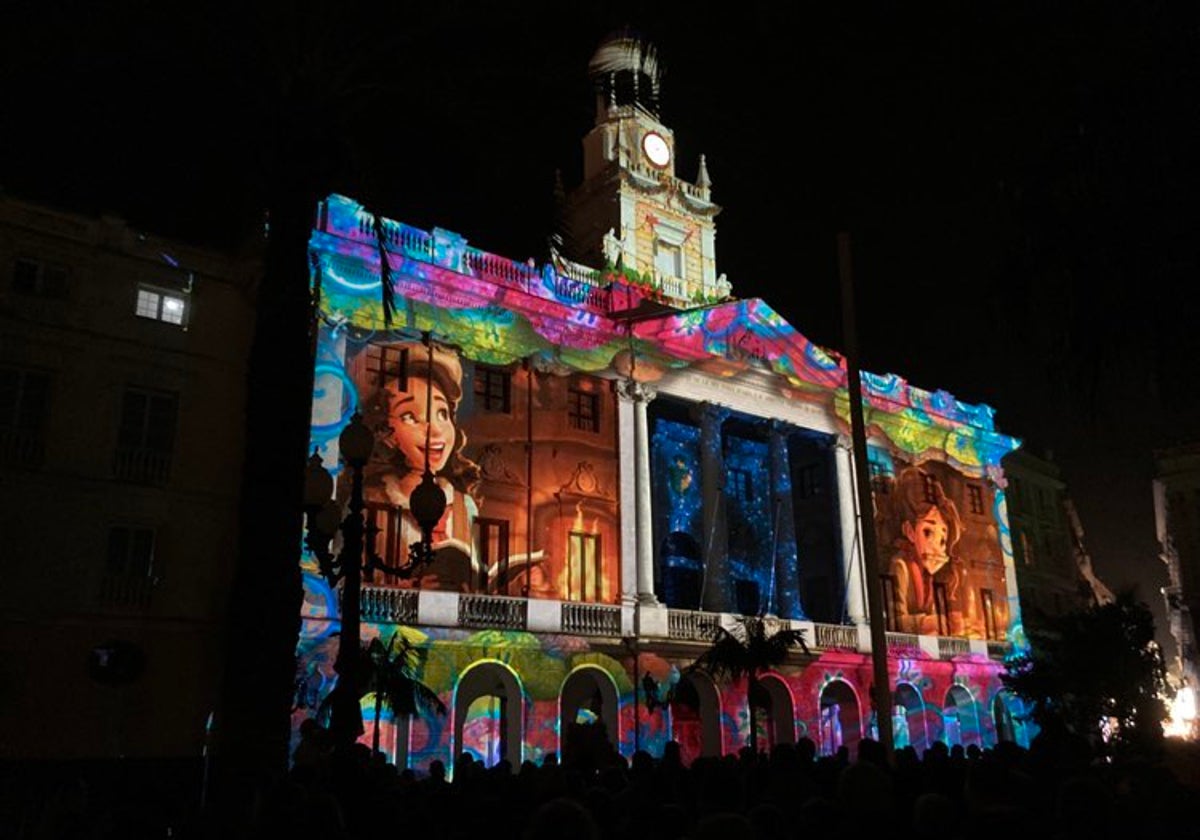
(428, 503)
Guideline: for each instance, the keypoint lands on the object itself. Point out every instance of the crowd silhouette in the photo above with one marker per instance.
(1055, 789)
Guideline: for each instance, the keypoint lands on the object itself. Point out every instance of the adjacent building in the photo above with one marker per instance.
(632, 456)
(122, 369)
(1177, 520)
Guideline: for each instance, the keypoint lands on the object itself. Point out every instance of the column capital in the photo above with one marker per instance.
(629, 390)
(707, 412)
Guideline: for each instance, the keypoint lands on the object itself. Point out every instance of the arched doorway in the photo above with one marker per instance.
(840, 724)
(908, 718)
(488, 707)
(1006, 714)
(588, 709)
(774, 712)
(960, 719)
(695, 717)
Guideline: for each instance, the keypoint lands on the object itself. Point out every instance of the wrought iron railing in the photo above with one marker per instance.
(20, 448)
(134, 592)
(142, 465)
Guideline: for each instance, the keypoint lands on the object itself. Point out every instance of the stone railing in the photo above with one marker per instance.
(491, 612)
(381, 603)
(949, 647)
(835, 636)
(692, 626)
(591, 619)
(903, 641)
(997, 650)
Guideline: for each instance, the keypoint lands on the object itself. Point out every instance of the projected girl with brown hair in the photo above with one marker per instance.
(928, 578)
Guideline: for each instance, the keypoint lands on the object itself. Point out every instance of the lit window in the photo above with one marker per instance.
(161, 305)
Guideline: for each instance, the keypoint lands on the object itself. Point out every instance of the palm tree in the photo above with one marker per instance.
(390, 673)
(747, 650)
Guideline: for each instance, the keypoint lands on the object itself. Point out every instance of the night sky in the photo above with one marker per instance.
(1020, 183)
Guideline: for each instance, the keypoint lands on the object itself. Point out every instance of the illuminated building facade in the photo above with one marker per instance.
(631, 456)
(1177, 520)
(122, 370)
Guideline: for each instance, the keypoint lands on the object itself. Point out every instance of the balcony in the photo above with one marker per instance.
(141, 465)
(127, 592)
(21, 448)
(389, 605)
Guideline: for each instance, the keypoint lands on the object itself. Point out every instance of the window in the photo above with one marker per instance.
(388, 364)
(941, 604)
(583, 567)
(1028, 550)
(1014, 495)
(988, 607)
(891, 604)
(880, 472)
(668, 259)
(809, 481)
(31, 277)
(583, 410)
(130, 552)
(491, 548)
(975, 498)
(384, 538)
(24, 407)
(146, 435)
(739, 484)
(493, 389)
(161, 305)
(929, 485)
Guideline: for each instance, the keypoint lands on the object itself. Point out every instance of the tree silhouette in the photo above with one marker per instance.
(1092, 666)
(747, 650)
(390, 673)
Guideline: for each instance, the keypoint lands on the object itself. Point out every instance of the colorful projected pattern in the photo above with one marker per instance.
(523, 438)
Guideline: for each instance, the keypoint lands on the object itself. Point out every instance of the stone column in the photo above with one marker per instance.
(783, 525)
(640, 394)
(627, 472)
(718, 584)
(852, 558)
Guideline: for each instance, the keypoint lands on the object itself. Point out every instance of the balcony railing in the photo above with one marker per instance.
(836, 636)
(21, 448)
(948, 647)
(141, 465)
(997, 650)
(132, 592)
(903, 641)
(397, 606)
(692, 626)
(591, 619)
(491, 612)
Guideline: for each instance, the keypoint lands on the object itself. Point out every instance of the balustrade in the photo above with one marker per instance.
(491, 612)
(591, 619)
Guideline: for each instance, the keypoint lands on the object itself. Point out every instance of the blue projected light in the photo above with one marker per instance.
(322, 434)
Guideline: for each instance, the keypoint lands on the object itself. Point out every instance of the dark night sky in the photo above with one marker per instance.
(1021, 183)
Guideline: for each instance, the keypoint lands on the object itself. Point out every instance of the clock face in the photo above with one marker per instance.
(656, 149)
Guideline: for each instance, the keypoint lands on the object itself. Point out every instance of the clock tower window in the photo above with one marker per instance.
(668, 259)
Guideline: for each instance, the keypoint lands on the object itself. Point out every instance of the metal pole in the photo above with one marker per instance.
(346, 716)
(882, 694)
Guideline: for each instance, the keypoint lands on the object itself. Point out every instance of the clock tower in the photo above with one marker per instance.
(632, 208)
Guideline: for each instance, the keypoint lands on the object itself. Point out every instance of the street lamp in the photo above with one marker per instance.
(355, 444)
(357, 555)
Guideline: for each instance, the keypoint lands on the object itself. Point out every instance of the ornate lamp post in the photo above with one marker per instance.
(428, 503)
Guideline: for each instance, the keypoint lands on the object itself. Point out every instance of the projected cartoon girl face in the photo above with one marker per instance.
(928, 536)
(407, 418)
